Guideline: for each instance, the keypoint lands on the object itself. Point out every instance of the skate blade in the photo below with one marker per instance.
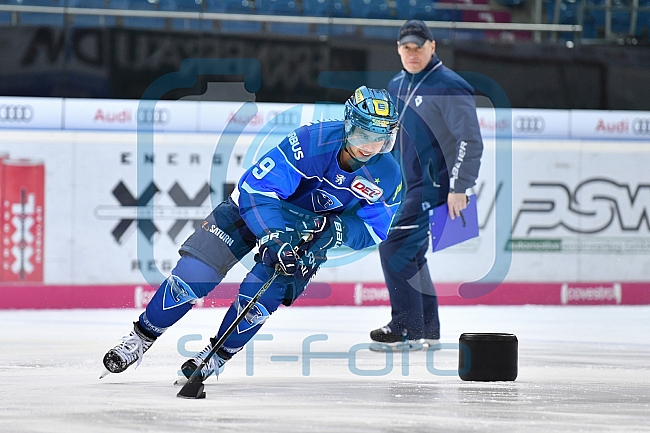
(395, 347)
(105, 373)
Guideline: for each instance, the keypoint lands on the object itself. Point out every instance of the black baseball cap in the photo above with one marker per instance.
(414, 31)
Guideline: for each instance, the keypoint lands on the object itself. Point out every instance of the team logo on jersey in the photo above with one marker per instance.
(339, 179)
(257, 315)
(366, 189)
(324, 201)
(418, 100)
(176, 293)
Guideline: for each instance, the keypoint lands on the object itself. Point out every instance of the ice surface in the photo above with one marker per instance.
(580, 369)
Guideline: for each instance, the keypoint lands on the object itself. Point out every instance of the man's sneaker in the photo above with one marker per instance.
(385, 339)
(214, 365)
(129, 351)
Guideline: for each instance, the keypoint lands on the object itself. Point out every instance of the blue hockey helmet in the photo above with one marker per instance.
(373, 111)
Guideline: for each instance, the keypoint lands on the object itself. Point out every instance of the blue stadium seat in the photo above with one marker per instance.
(339, 9)
(325, 8)
(595, 19)
(96, 20)
(148, 5)
(217, 6)
(415, 9)
(370, 9)
(277, 7)
(318, 8)
(40, 19)
(236, 7)
(190, 5)
(282, 7)
(191, 24)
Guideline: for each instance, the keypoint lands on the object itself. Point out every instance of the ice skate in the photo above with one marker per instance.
(128, 352)
(385, 339)
(215, 365)
(429, 342)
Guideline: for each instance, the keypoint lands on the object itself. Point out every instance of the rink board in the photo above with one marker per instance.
(117, 207)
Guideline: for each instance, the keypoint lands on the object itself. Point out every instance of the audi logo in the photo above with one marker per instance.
(529, 124)
(16, 113)
(641, 126)
(157, 116)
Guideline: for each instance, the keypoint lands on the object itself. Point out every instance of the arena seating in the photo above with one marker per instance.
(590, 13)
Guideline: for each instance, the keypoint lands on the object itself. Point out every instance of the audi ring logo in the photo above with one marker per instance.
(529, 124)
(157, 116)
(641, 126)
(16, 113)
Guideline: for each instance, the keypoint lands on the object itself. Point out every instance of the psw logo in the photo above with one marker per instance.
(596, 205)
(366, 189)
(140, 212)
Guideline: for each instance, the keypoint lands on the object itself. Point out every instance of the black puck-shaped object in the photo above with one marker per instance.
(487, 357)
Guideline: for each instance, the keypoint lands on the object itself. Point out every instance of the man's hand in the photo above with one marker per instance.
(327, 231)
(276, 251)
(456, 202)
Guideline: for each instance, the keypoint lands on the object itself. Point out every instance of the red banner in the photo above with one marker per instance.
(23, 212)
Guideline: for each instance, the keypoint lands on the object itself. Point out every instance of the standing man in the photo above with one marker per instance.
(439, 147)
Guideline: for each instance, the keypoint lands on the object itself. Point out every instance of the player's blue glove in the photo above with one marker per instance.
(276, 251)
(327, 231)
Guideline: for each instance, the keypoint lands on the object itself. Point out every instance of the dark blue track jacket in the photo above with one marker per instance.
(439, 143)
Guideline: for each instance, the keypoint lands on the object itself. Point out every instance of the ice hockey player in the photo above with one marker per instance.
(335, 180)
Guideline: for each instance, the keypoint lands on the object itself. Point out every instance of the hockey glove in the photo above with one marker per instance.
(276, 251)
(327, 231)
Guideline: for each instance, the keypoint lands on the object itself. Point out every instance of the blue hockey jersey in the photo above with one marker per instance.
(301, 178)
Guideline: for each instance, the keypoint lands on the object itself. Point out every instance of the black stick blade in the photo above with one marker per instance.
(192, 389)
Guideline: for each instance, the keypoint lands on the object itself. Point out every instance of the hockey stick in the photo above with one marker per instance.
(194, 387)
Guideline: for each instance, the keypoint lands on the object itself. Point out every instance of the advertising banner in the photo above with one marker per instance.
(118, 211)
(30, 113)
(23, 218)
(525, 123)
(125, 115)
(630, 125)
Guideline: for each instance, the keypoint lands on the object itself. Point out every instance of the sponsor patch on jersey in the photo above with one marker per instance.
(324, 201)
(366, 189)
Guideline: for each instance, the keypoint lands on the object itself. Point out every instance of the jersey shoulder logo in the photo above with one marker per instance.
(418, 100)
(366, 189)
(324, 201)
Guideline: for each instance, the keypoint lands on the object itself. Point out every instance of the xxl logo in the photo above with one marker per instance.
(135, 211)
(595, 205)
